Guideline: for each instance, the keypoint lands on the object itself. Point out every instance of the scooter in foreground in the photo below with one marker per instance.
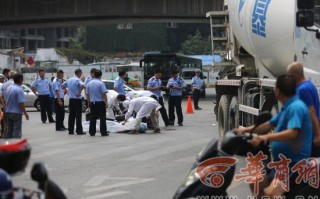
(14, 157)
(214, 168)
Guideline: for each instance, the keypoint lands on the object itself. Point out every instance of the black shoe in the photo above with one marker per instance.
(92, 135)
(157, 131)
(70, 133)
(82, 133)
(60, 129)
(180, 124)
(170, 124)
(44, 122)
(52, 121)
(64, 128)
(105, 134)
(198, 108)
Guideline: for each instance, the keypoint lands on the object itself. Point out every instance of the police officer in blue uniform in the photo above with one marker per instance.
(97, 96)
(155, 86)
(75, 87)
(58, 101)
(87, 80)
(176, 84)
(90, 77)
(119, 83)
(196, 84)
(41, 88)
(15, 107)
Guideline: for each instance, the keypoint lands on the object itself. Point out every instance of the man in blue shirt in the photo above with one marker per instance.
(98, 102)
(292, 135)
(75, 87)
(58, 101)
(90, 77)
(155, 86)
(15, 107)
(119, 83)
(196, 84)
(308, 93)
(176, 85)
(87, 80)
(41, 88)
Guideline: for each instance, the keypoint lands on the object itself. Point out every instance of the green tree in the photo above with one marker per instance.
(79, 41)
(83, 56)
(196, 45)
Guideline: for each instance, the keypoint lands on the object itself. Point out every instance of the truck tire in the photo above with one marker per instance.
(234, 113)
(223, 115)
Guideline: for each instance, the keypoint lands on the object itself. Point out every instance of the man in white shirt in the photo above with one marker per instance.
(144, 107)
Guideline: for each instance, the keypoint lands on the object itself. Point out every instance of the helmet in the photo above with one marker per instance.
(14, 155)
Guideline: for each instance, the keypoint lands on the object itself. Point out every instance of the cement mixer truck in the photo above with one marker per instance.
(262, 37)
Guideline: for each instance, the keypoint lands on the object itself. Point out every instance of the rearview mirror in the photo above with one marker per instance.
(39, 172)
(305, 18)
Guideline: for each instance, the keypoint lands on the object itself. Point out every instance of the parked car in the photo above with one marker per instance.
(130, 92)
(32, 99)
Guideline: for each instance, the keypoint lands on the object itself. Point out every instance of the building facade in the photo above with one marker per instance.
(31, 39)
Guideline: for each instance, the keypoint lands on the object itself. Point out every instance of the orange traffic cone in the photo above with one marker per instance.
(189, 106)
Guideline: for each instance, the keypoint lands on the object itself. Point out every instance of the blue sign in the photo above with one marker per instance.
(259, 16)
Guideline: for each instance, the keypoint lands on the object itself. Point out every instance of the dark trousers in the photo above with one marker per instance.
(175, 103)
(196, 96)
(98, 111)
(52, 104)
(75, 114)
(4, 126)
(59, 114)
(315, 152)
(45, 105)
(163, 112)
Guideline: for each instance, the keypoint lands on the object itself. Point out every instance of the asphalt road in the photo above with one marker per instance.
(122, 166)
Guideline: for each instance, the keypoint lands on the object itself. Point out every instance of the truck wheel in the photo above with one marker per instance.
(234, 113)
(223, 115)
